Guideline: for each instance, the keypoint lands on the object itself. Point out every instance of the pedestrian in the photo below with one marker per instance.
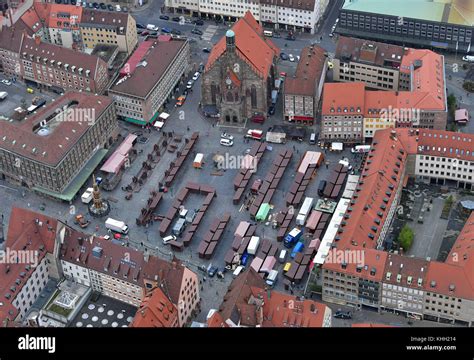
(188, 128)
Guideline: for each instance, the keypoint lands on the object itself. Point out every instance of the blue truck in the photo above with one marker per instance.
(292, 237)
(298, 248)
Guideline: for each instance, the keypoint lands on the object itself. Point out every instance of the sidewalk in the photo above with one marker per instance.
(135, 9)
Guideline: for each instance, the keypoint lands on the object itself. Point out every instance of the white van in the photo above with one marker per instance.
(272, 278)
(237, 271)
(87, 196)
(152, 27)
(312, 139)
(282, 256)
(168, 238)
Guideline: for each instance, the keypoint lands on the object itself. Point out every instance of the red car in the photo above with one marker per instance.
(260, 119)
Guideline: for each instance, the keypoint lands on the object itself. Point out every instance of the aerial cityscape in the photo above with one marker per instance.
(236, 163)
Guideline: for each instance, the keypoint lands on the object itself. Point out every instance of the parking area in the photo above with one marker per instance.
(18, 96)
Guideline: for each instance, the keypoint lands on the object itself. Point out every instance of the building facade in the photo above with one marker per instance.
(51, 156)
(148, 81)
(302, 92)
(52, 66)
(109, 28)
(431, 290)
(302, 16)
(240, 72)
(442, 25)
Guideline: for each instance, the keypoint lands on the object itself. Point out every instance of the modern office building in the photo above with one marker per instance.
(148, 79)
(438, 24)
(54, 152)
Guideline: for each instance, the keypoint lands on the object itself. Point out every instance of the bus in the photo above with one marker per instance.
(268, 33)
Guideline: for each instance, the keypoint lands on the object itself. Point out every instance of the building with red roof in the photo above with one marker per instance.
(156, 311)
(239, 73)
(248, 303)
(415, 80)
(431, 289)
(54, 152)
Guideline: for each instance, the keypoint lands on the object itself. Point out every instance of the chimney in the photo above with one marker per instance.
(37, 40)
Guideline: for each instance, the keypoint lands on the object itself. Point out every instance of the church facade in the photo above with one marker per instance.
(239, 75)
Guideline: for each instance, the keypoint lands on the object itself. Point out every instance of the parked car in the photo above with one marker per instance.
(291, 57)
(124, 9)
(176, 19)
(95, 5)
(103, 6)
(165, 30)
(189, 85)
(343, 314)
(110, 7)
(212, 271)
(276, 35)
(6, 82)
(227, 142)
(164, 17)
(271, 110)
(180, 101)
(283, 56)
(168, 238)
(206, 50)
(141, 26)
(196, 31)
(224, 135)
(144, 33)
(196, 75)
(198, 22)
(175, 32)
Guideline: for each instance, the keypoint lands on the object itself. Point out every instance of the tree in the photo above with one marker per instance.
(405, 238)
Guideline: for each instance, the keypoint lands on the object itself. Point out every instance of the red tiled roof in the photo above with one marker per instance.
(60, 14)
(251, 46)
(446, 144)
(427, 81)
(308, 73)
(156, 310)
(30, 231)
(216, 321)
(462, 252)
(343, 96)
(32, 20)
(283, 310)
(57, 144)
(452, 280)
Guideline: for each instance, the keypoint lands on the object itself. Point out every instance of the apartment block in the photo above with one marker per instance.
(148, 79)
(433, 290)
(302, 92)
(302, 16)
(126, 274)
(109, 28)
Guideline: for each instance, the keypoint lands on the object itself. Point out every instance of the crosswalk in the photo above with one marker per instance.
(209, 32)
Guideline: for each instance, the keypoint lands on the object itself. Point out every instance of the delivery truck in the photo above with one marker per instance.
(298, 248)
(253, 245)
(361, 149)
(116, 225)
(254, 134)
(292, 237)
(276, 137)
(3, 95)
(304, 211)
(274, 96)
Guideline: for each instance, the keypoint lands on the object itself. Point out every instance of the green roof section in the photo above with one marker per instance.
(458, 12)
(85, 173)
(263, 212)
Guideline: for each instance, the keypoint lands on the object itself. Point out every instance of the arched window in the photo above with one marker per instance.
(253, 91)
(229, 97)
